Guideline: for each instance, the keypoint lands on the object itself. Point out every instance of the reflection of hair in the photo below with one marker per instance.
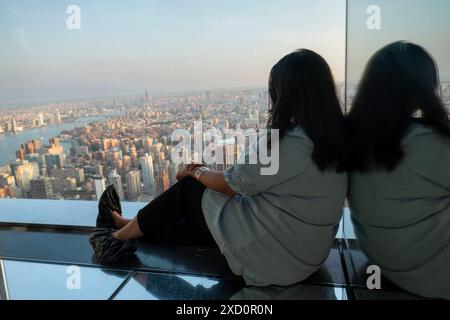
(400, 80)
(302, 93)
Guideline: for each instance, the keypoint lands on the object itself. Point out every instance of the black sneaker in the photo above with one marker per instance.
(110, 250)
(109, 202)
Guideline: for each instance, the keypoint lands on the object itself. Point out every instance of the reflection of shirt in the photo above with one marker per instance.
(280, 228)
(402, 218)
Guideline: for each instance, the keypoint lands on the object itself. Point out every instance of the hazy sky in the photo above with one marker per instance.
(160, 45)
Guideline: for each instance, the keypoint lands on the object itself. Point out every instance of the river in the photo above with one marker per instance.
(9, 143)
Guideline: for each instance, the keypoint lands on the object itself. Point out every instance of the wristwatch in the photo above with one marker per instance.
(199, 171)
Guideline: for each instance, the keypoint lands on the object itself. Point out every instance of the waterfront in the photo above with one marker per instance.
(9, 143)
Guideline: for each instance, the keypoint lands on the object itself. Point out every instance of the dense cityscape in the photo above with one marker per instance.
(129, 147)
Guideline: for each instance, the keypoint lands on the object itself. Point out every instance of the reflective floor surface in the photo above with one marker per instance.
(50, 258)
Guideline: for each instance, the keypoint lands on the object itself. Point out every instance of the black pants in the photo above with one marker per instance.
(176, 218)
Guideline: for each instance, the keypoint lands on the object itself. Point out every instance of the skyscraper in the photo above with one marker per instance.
(227, 155)
(13, 125)
(146, 99)
(100, 185)
(173, 170)
(147, 143)
(41, 188)
(133, 180)
(162, 181)
(55, 160)
(148, 174)
(58, 117)
(41, 121)
(98, 169)
(115, 179)
(24, 172)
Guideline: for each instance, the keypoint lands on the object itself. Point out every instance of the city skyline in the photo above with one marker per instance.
(129, 145)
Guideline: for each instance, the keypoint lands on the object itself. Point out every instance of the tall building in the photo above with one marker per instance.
(55, 160)
(100, 185)
(115, 179)
(147, 143)
(20, 154)
(79, 175)
(146, 98)
(162, 182)
(58, 117)
(133, 155)
(148, 174)
(229, 155)
(53, 148)
(133, 180)
(98, 169)
(41, 188)
(173, 170)
(29, 147)
(14, 125)
(41, 121)
(109, 144)
(24, 172)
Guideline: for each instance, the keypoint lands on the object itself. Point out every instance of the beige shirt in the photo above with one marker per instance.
(402, 218)
(280, 228)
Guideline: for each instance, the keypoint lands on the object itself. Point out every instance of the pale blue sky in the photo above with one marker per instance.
(127, 46)
(161, 45)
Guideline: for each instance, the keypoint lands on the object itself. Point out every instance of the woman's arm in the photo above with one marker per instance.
(211, 179)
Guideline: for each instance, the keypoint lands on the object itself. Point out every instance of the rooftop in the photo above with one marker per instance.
(41, 239)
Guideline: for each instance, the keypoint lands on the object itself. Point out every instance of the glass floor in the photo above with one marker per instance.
(51, 258)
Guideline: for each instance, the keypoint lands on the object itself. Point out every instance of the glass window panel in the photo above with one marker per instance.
(65, 213)
(166, 84)
(421, 22)
(39, 281)
(372, 24)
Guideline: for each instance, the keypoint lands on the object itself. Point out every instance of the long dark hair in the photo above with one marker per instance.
(401, 80)
(302, 93)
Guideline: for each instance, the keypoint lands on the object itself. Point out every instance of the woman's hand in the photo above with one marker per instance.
(188, 170)
(211, 179)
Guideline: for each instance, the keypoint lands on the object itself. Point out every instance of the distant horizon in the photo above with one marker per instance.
(173, 93)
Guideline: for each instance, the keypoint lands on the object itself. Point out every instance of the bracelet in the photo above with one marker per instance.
(199, 171)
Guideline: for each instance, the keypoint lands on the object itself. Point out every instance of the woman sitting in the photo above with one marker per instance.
(272, 229)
